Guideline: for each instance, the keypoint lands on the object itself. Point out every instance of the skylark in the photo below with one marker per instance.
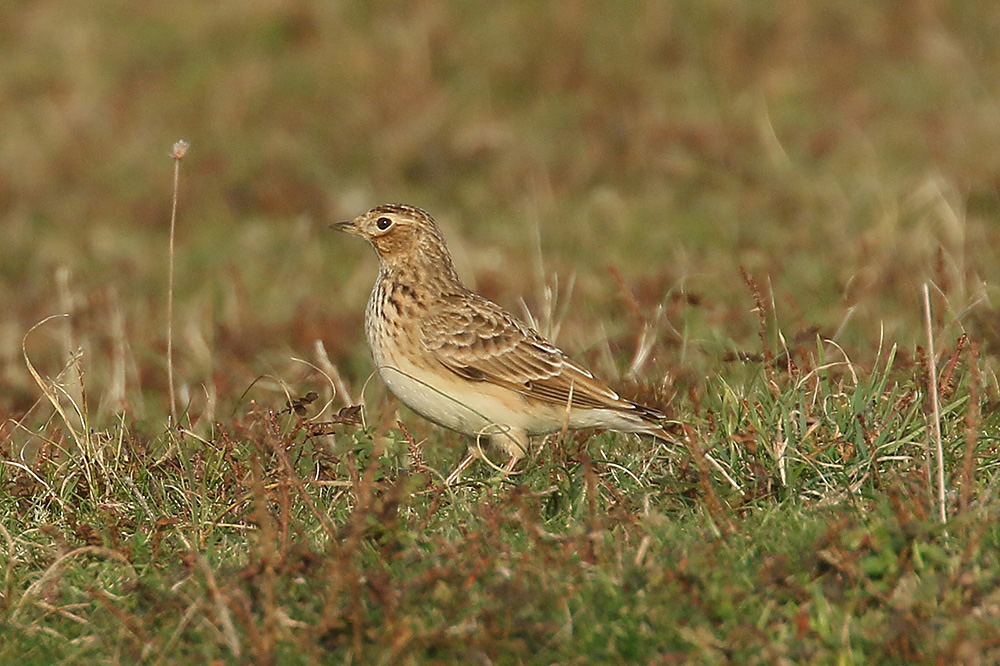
(464, 362)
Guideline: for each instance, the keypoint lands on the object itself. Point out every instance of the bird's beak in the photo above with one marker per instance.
(347, 227)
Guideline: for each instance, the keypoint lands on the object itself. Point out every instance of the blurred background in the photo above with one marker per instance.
(640, 152)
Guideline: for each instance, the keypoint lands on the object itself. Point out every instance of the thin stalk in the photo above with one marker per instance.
(180, 149)
(935, 407)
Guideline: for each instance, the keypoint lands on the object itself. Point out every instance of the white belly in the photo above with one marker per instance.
(481, 408)
(473, 408)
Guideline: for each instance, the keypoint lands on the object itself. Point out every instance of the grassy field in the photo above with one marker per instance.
(727, 210)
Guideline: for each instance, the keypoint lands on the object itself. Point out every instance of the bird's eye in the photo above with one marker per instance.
(383, 223)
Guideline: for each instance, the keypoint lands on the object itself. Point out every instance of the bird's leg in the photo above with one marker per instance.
(457, 472)
(515, 443)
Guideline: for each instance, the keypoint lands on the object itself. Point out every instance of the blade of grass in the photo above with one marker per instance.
(935, 407)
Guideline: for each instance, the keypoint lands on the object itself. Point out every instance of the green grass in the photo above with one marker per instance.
(727, 211)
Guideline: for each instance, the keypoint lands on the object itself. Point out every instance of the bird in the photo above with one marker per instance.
(465, 363)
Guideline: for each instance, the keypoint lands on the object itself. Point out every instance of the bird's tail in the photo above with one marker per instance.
(652, 422)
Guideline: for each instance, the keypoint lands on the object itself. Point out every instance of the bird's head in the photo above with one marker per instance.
(403, 237)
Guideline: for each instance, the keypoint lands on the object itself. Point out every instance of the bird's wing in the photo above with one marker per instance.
(479, 341)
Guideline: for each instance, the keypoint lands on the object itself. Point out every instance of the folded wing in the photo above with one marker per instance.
(484, 343)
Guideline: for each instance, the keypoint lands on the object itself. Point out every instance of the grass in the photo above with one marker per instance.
(727, 211)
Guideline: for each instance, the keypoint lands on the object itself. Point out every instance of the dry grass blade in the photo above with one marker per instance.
(219, 603)
(972, 428)
(716, 507)
(935, 406)
(44, 386)
(286, 463)
(8, 579)
(53, 570)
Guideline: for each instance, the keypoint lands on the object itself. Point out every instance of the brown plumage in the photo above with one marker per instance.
(463, 361)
